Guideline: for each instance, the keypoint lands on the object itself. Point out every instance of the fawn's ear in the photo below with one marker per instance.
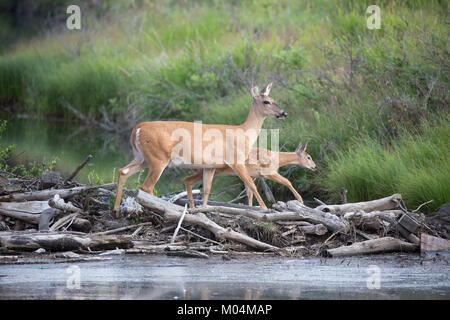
(254, 91)
(301, 148)
(266, 90)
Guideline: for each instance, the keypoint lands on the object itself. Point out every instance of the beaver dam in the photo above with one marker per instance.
(53, 218)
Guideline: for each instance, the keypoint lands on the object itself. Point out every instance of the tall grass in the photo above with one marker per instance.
(415, 165)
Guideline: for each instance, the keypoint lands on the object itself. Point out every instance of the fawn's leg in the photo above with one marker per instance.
(249, 195)
(242, 172)
(189, 182)
(208, 175)
(280, 179)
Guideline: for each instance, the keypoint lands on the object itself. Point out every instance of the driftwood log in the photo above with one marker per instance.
(387, 203)
(381, 245)
(47, 194)
(52, 241)
(33, 211)
(375, 220)
(299, 212)
(23, 216)
(33, 207)
(331, 221)
(430, 243)
(174, 212)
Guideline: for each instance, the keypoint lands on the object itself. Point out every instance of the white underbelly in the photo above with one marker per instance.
(181, 163)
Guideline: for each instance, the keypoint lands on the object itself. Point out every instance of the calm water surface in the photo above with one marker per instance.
(162, 277)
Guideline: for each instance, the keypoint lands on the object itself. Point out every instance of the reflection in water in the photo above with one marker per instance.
(261, 278)
(211, 291)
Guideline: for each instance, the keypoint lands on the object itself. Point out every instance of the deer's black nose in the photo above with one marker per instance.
(282, 115)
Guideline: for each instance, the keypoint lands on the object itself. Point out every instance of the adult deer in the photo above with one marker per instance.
(266, 166)
(159, 144)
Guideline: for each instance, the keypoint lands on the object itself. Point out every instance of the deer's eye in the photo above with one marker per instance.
(309, 158)
(266, 102)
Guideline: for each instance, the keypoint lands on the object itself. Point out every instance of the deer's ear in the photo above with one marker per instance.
(254, 91)
(301, 148)
(266, 90)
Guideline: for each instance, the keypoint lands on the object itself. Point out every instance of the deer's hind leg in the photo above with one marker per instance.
(156, 168)
(132, 168)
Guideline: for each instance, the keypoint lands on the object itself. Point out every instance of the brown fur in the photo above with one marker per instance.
(156, 145)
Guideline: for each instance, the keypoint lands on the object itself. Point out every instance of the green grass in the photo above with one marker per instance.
(341, 83)
(414, 165)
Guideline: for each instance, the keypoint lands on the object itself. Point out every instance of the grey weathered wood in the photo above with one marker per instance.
(408, 223)
(381, 245)
(173, 212)
(50, 179)
(431, 243)
(32, 207)
(23, 216)
(32, 218)
(375, 220)
(387, 203)
(317, 229)
(47, 194)
(298, 212)
(46, 216)
(58, 203)
(331, 221)
(53, 241)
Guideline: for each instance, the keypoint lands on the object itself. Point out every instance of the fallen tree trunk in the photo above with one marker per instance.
(173, 212)
(381, 245)
(332, 222)
(32, 207)
(430, 243)
(62, 241)
(47, 194)
(299, 212)
(23, 216)
(78, 223)
(387, 203)
(375, 220)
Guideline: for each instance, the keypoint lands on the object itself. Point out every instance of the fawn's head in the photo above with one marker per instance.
(265, 105)
(304, 159)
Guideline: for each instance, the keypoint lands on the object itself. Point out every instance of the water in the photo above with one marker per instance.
(162, 277)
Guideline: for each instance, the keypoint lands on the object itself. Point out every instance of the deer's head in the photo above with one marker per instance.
(265, 105)
(304, 159)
